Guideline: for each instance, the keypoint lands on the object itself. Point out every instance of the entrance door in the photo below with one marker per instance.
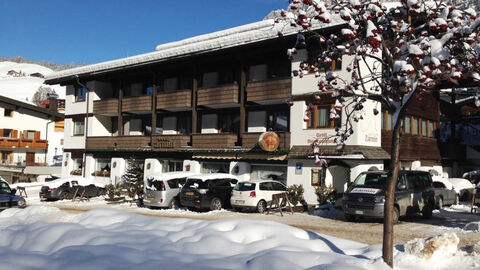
(30, 158)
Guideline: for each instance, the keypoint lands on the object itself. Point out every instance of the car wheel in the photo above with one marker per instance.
(63, 196)
(440, 203)
(396, 215)
(350, 218)
(173, 204)
(215, 204)
(261, 206)
(427, 211)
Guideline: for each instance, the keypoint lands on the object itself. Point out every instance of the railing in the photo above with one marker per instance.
(174, 100)
(224, 94)
(122, 142)
(269, 89)
(136, 104)
(168, 142)
(106, 106)
(22, 143)
(214, 141)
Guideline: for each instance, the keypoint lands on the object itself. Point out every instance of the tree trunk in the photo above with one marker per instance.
(390, 195)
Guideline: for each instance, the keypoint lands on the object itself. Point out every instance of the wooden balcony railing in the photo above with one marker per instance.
(174, 100)
(214, 141)
(169, 142)
(137, 104)
(23, 143)
(122, 142)
(107, 107)
(224, 94)
(269, 90)
(413, 147)
(250, 140)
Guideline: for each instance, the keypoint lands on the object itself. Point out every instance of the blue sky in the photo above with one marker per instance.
(89, 31)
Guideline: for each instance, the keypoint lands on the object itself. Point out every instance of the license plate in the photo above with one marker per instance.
(189, 193)
(150, 198)
(42, 196)
(239, 201)
(359, 212)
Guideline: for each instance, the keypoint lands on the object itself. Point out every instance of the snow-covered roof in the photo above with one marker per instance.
(170, 175)
(237, 36)
(209, 176)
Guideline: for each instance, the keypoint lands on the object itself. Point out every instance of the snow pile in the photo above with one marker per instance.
(23, 88)
(435, 248)
(473, 226)
(112, 239)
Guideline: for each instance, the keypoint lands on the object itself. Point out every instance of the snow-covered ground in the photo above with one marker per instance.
(23, 88)
(44, 237)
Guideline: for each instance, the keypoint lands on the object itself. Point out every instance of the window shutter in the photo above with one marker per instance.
(15, 134)
(1, 132)
(37, 135)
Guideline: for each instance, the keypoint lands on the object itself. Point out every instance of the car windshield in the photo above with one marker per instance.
(4, 188)
(244, 186)
(197, 184)
(376, 180)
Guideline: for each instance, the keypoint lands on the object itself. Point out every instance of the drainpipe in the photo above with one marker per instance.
(86, 122)
(46, 137)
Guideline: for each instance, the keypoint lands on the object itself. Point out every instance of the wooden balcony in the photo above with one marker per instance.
(123, 142)
(250, 140)
(108, 107)
(269, 91)
(219, 96)
(214, 141)
(23, 143)
(169, 142)
(140, 104)
(413, 147)
(173, 101)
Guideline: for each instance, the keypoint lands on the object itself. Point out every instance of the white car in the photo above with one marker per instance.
(161, 190)
(255, 194)
(463, 187)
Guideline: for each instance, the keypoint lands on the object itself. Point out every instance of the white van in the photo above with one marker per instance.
(161, 189)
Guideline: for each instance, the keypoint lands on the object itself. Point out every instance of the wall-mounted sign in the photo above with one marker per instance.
(298, 168)
(269, 141)
(149, 165)
(114, 165)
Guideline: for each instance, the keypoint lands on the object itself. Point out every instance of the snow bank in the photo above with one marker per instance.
(112, 239)
(436, 248)
(472, 226)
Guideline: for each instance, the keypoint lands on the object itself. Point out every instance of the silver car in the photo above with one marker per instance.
(161, 190)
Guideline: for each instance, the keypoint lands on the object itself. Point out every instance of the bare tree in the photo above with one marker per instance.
(42, 94)
(413, 47)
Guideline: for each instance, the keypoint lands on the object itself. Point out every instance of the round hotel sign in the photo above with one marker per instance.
(269, 141)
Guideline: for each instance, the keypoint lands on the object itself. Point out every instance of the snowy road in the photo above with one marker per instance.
(451, 219)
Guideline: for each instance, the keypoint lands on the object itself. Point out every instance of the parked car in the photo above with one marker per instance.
(444, 196)
(256, 194)
(463, 187)
(8, 198)
(366, 196)
(208, 191)
(161, 190)
(64, 188)
(473, 176)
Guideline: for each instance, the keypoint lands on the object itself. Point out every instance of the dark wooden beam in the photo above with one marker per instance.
(120, 115)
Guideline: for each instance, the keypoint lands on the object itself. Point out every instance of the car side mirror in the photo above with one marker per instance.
(402, 187)
(13, 191)
(233, 181)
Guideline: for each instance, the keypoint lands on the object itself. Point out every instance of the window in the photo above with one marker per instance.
(7, 133)
(320, 118)
(29, 134)
(184, 124)
(103, 164)
(78, 128)
(387, 120)
(8, 113)
(424, 127)
(269, 172)
(77, 164)
(278, 121)
(266, 186)
(228, 123)
(172, 166)
(415, 126)
(80, 94)
(215, 168)
(407, 124)
(431, 129)
(317, 177)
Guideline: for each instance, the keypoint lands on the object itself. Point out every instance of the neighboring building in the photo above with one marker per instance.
(202, 104)
(37, 74)
(27, 133)
(14, 73)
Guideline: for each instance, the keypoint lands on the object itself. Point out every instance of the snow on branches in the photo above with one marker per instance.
(412, 46)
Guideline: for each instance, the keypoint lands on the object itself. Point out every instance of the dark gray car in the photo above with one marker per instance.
(443, 195)
(366, 196)
(8, 198)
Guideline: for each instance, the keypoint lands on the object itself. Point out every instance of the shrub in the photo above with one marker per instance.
(113, 190)
(325, 193)
(295, 194)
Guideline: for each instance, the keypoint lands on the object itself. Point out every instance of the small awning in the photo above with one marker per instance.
(348, 152)
(240, 156)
